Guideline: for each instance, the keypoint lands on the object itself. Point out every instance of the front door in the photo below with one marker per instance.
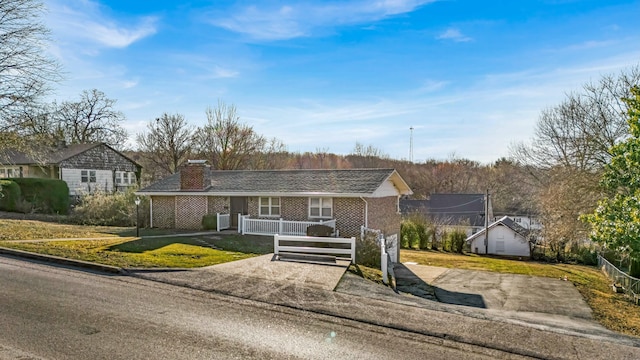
(239, 205)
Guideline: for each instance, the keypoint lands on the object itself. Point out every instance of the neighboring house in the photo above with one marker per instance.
(85, 168)
(505, 237)
(527, 222)
(465, 210)
(353, 197)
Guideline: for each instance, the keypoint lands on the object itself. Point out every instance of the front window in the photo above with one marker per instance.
(269, 206)
(320, 208)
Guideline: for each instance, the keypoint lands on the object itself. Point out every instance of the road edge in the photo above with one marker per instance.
(61, 260)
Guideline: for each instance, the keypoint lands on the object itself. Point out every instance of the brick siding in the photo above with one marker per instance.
(164, 211)
(218, 204)
(295, 208)
(189, 211)
(349, 215)
(383, 215)
(348, 212)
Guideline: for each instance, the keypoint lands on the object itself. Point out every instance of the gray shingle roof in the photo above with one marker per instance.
(351, 181)
(451, 209)
(44, 155)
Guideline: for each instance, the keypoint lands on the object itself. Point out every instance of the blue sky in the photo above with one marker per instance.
(470, 76)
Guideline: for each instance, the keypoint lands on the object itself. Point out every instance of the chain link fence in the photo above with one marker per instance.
(628, 284)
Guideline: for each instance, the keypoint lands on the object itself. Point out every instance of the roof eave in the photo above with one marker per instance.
(265, 194)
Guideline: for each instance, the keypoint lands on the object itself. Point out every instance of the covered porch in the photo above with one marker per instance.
(252, 226)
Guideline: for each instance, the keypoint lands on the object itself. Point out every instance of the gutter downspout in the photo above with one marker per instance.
(150, 211)
(366, 212)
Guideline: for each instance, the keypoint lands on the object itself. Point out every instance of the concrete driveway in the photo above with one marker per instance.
(253, 276)
(510, 292)
(537, 301)
(314, 273)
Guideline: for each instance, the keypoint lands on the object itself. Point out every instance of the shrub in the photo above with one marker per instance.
(423, 235)
(456, 241)
(45, 195)
(210, 222)
(117, 209)
(408, 234)
(368, 251)
(9, 195)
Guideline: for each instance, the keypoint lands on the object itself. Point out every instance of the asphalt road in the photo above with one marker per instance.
(49, 312)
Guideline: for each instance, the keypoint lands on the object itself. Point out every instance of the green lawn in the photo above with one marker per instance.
(612, 310)
(11, 229)
(178, 252)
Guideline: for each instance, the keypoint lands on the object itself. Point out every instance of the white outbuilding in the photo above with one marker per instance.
(505, 238)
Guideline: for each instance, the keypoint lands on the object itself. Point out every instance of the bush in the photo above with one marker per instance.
(10, 195)
(423, 236)
(456, 241)
(210, 222)
(368, 251)
(45, 195)
(407, 234)
(117, 209)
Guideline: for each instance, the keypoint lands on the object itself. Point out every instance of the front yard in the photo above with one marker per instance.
(118, 247)
(611, 310)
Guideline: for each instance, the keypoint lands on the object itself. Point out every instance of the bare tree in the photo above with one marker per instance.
(93, 118)
(321, 154)
(569, 150)
(225, 141)
(25, 70)
(166, 144)
(367, 156)
(274, 155)
(580, 131)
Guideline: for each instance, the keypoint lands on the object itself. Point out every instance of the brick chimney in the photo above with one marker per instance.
(192, 175)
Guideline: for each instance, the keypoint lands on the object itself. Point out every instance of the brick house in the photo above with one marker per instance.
(353, 197)
(85, 168)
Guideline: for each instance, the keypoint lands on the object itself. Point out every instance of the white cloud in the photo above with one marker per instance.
(303, 19)
(128, 84)
(219, 73)
(85, 22)
(454, 35)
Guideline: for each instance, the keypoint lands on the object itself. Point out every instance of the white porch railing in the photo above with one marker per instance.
(277, 248)
(251, 226)
(223, 221)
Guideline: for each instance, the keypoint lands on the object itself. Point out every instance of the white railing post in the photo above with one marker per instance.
(276, 249)
(280, 225)
(244, 225)
(353, 250)
(383, 264)
(218, 222)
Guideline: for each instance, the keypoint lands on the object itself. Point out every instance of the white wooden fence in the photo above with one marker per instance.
(388, 250)
(310, 240)
(223, 221)
(249, 226)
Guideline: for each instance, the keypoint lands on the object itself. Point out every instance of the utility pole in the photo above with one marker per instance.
(486, 222)
(411, 145)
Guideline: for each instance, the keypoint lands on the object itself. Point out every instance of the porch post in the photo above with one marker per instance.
(280, 226)
(218, 222)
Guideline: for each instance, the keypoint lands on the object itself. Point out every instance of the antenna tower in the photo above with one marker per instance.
(411, 145)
